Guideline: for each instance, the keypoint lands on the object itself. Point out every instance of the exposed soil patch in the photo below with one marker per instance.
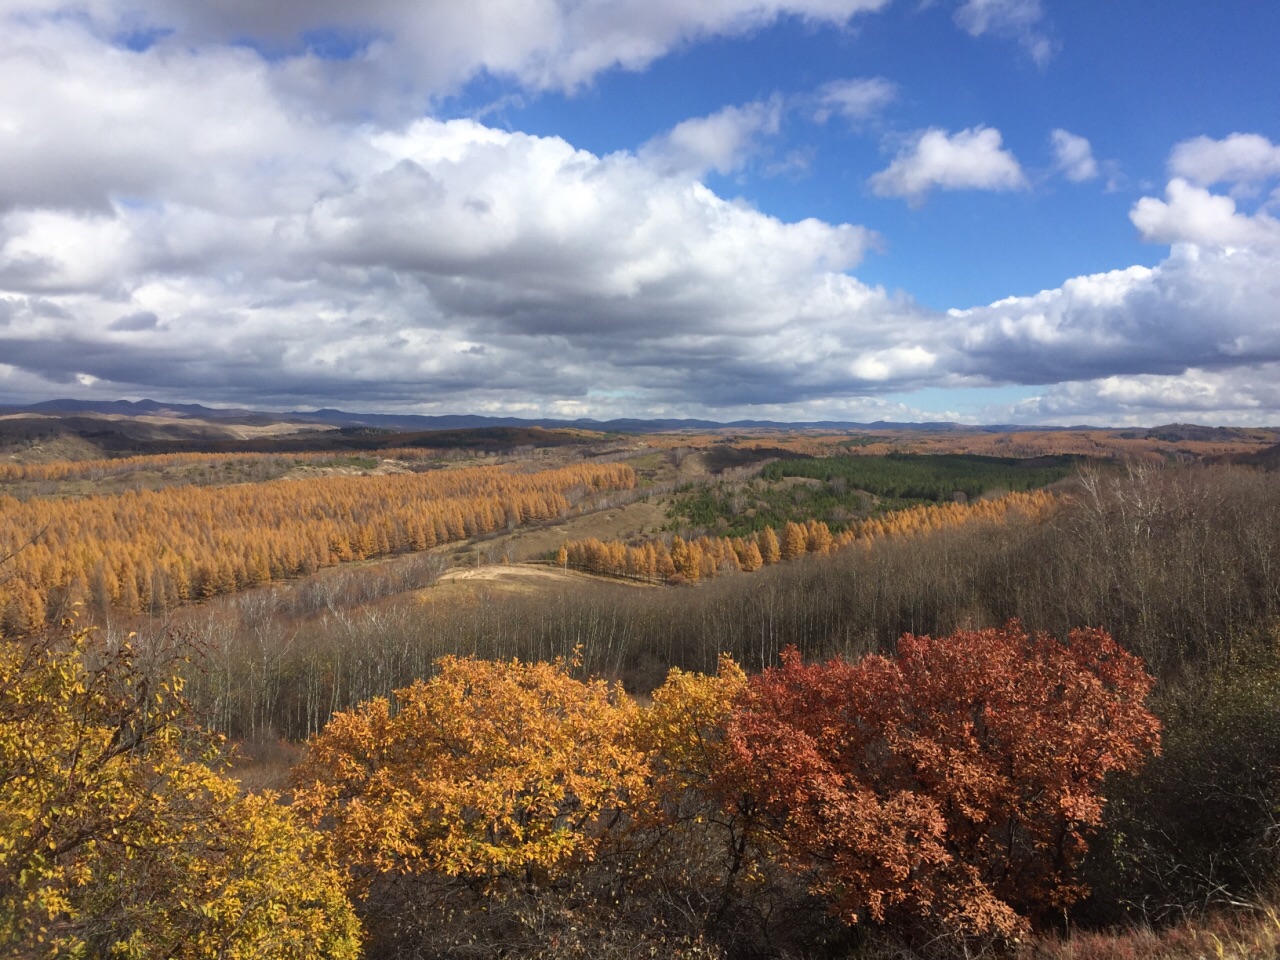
(529, 575)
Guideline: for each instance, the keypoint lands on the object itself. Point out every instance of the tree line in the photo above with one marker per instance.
(153, 550)
(675, 560)
(932, 477)
(236, 465)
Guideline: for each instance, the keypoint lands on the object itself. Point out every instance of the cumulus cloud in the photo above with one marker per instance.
(178, 126)
(201, 233)
(854, 99)
(1192, 338)
(1186, 312)
(1191, 214)
(1073, 156)
(1244, 396)
(454, 263)
(972, 159)
(1021, 20)
(722, 141)
(1242, 159)
(553, 44)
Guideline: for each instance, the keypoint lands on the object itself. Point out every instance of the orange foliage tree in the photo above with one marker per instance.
(152, 550)
(489, 771)
(955, 783)
(703, 558)
(794, 540)
(123, 466)
(697, 829)
(511, 780)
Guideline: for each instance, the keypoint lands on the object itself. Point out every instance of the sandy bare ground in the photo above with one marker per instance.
(480, 566)
(528, 574)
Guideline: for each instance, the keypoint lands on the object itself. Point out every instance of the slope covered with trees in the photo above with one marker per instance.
(155, 549)
(705, 558)
(924, 477)
(505, 800)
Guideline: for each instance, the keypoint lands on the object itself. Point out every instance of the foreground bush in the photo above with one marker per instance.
(950, 788)
(469, 810)
(953, 785)
(116, 837)
(488, 770)
(508, 808)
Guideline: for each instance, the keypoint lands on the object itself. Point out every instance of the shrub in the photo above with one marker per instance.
(117, 838)
(952, 785)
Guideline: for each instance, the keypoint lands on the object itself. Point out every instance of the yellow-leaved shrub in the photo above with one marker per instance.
(489, 770)
(118, 839)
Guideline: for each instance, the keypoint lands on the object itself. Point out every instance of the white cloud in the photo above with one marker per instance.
(854, 99)
(1193, 338)
(1201, 307)
(1073, 156)
(971, 159)
(47, 251)
(1191, 214)
(895, 363)
(201, 233)
(185, 127)
(1021, 20)
(544, 44)
(568, 269)
(722, 141)
(1242, 396)
(1241, 158)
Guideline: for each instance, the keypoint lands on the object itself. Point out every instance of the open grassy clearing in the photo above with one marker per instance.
(640, 518)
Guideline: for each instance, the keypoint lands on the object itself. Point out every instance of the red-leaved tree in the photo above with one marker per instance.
(955, 783)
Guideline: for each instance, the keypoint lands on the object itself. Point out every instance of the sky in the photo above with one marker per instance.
(987, 211)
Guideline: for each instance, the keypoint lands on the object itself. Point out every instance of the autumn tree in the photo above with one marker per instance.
(145, 549)
(119, 839)
(795, 540)
(478, 797)
(770, 551)
(698, 834)
(705, 558)
(956, 782)
(818, 537)
(488, 771)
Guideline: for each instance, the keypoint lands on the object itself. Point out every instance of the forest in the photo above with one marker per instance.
(606, 699)
(923, 477)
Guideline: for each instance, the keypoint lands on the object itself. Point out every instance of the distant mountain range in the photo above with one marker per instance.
(386, 421)
(87, 429)
(416, 423)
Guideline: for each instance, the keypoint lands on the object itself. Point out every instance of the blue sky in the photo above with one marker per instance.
(982, 210)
